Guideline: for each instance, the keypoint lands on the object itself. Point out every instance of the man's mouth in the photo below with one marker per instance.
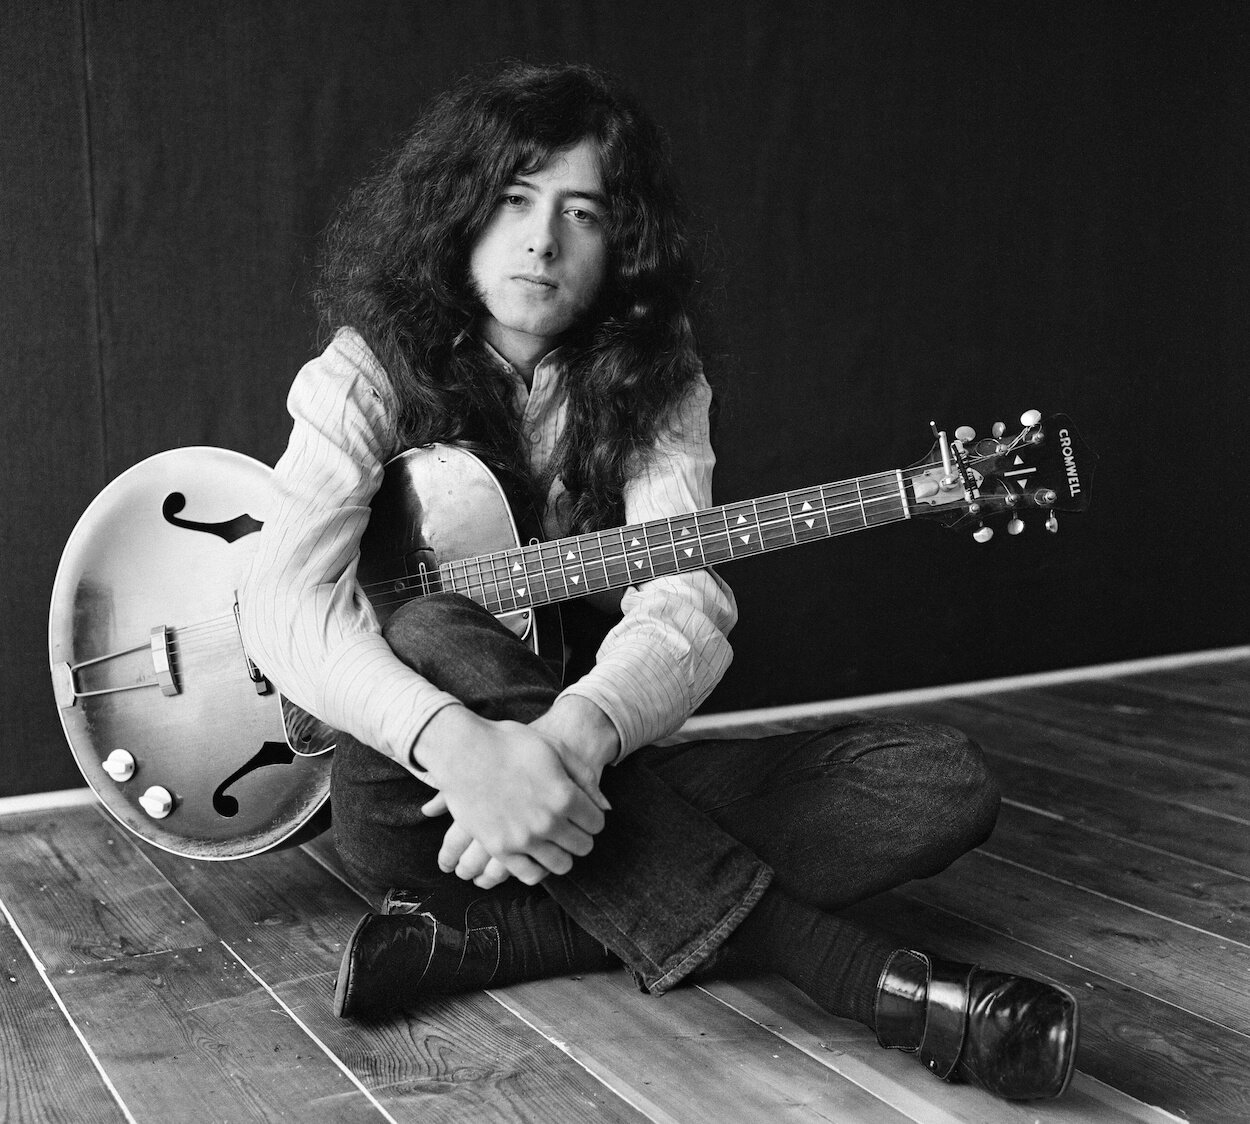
(537, 282)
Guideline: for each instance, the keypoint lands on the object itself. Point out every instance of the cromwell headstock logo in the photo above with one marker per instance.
(1069, 463)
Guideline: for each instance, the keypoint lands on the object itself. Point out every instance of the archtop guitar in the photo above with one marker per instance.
(187, 743)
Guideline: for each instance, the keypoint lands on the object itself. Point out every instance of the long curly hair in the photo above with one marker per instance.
(395, 266)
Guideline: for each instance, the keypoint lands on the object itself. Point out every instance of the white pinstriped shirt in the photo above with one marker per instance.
(307, 624)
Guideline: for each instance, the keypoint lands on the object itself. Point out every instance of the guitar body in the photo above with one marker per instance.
(164, 547)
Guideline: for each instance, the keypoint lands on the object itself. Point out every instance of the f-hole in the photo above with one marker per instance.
(230, 529)
(271, 753)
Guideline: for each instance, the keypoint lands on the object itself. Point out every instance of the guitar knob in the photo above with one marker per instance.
(1030, 418)
(119, 765)
(965, 433)
(999, 429)
(983, 534)
(1015, 525)
(158, 802)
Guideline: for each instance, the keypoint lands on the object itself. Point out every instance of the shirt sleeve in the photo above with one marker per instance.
(671, 647)
(305, 621)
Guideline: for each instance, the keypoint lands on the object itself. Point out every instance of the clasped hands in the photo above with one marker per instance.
(524, 798)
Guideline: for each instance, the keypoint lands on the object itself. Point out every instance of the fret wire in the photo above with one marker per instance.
(493, 560)
(512, 559)
(463, 589)
(580, 577)
(534, 551)
(599, 541)
(672, 539)
(485, 600)
(709, 537)
(550, 554)
(654, 535)
(636, 563)
(581, 559)
(618, 557)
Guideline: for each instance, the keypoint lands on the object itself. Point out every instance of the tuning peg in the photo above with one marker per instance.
(1015, 525)
(1030, 418)
(999, 429)
(1052, 524)
(983, 533)
(965, 433)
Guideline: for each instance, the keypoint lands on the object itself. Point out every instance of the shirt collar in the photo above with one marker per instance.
(546, 371)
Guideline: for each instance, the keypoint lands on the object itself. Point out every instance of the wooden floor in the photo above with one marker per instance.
(140, 986)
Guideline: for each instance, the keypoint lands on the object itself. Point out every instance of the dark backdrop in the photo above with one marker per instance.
(913, 211)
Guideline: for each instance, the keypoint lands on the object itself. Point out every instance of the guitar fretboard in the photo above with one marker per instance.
(545, 573)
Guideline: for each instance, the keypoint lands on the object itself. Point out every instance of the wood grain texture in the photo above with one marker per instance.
(1148, 1047)
(190, 1034)
(83, 893)
(45, 1072)
(462, 1058)
(178, 1026)
(685, 1058)
(1159, 769)
(1119, 868)
(1190, 892)
(1121, 942)
(898, 1078)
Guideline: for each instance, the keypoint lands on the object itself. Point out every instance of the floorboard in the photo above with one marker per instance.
(59, 1080)
(141, 986)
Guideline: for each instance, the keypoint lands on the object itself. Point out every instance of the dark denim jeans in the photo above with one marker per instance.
(696, 832)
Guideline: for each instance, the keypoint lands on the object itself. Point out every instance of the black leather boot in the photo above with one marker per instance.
(1012, 1036)
(393, 960)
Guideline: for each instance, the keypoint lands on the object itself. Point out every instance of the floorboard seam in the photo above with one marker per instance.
(1046, 767)
(43, 974)
(930, 1113)
(1109, 898)
(1077, 825)
(1071, 962)
(325, 1049)
(650, 1111)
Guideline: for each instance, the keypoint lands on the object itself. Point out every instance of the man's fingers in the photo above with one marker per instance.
(585, 813)
(553, 858)
(435, 807)
(455, 842)
(494, 874)
(473, 862)
(525, 869)
(573, 839)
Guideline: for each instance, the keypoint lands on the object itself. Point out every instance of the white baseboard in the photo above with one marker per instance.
(961, 690)
(41, 801)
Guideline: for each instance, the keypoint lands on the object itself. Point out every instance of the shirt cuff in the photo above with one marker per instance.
(378, 699)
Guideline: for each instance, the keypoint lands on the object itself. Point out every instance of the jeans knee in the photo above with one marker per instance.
(973, 793)
(423, 631)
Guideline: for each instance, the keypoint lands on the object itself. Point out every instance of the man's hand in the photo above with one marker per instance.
(525, 799)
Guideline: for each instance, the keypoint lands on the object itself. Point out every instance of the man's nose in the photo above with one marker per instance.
(541, 239)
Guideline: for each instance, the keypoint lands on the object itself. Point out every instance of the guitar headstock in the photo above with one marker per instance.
(1045, 468)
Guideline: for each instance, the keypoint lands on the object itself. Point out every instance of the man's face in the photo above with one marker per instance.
(541, 260)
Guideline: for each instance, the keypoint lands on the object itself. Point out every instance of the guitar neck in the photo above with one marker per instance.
(562, 569)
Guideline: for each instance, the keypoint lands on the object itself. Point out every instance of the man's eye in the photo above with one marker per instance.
(512, 200)
(582, 215)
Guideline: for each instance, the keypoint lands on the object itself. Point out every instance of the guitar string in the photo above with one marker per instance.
(833, 497)
(884, 489)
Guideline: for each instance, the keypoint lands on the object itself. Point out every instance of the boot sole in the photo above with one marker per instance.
(343, 984)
